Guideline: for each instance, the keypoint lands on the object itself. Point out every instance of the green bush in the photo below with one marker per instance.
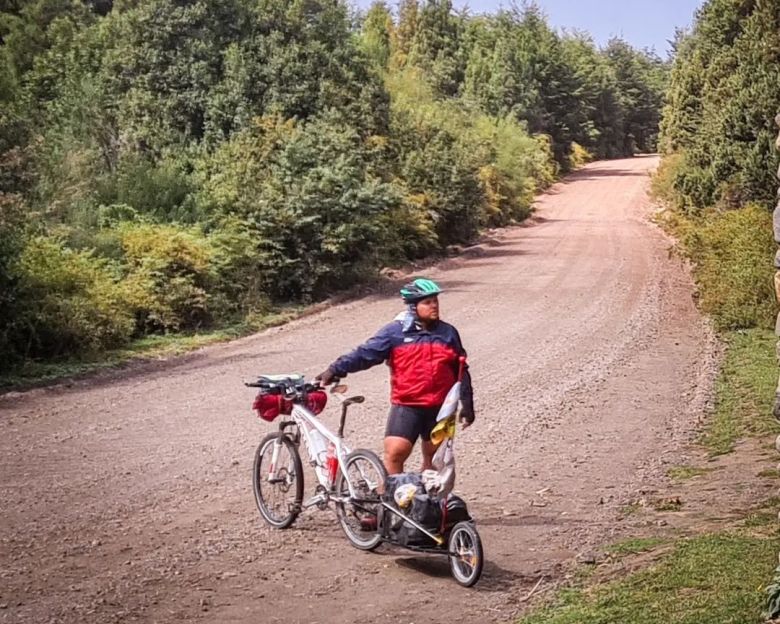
(446, 173)
(411, 227)
(12, 222)
(167, 276)
(579, 156)
(471, 169)
(307, 194)
(664, 178)
(163, 190)
(524, 163)
(239, 271)
(732, 252)
(438, 156)
(67, 302)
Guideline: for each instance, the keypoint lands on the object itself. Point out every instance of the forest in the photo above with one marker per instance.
(170, 166)
(720, 163)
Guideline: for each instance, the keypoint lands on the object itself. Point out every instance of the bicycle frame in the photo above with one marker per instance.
(305, 421)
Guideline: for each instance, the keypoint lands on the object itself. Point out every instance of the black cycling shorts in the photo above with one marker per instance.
(410, 422)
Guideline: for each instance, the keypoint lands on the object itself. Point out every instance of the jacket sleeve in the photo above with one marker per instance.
(466, 391)
(373, 351)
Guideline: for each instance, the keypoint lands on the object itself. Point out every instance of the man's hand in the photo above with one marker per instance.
(326, 377)
(466, 417)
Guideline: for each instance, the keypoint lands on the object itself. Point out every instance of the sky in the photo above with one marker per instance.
(643, 23)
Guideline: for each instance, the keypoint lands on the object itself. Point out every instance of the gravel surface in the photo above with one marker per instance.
(128, 498)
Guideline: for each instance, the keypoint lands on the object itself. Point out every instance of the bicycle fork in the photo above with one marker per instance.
(272, 478)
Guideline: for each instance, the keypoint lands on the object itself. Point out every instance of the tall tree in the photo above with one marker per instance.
(724, 93)
(377, 33)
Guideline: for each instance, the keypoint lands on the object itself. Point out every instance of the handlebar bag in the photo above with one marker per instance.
(316, 401)
(268, 406)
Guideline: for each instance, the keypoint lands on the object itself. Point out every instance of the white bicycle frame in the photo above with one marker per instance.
(305, 420)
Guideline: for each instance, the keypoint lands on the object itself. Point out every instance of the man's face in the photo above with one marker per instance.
(428, 309)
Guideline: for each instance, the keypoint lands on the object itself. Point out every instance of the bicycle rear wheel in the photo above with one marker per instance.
(358, 514)
(465, 551)
(278, 485)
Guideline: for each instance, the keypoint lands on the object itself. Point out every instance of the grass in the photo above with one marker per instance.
(761, 519)
(33, 373)
(683, 473)
(636, 545)
(716, 579)
(773, 502)
(764, 514)
(631, 509)
(745, 391)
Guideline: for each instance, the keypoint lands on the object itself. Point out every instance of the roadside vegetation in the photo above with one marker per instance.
(179, 168)
(710, 578)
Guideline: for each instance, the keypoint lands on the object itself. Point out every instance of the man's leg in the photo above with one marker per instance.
(428, 449)
(397, 451)
(400, 434)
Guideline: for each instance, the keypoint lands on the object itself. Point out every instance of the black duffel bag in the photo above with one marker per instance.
(425, 510)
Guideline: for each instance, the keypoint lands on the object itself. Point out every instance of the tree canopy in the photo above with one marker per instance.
(169, 165)
(723, 96)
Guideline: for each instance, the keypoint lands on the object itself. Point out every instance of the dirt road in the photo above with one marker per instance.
(130, 499)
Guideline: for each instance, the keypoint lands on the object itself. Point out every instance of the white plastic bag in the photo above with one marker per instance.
(405, 495)
(441, 479)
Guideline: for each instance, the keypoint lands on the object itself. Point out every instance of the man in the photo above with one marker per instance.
(423, 353)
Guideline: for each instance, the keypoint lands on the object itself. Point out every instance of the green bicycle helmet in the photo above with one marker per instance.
(419, 289)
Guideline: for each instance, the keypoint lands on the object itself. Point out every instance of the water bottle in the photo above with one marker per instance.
(318, 445)
(332, 463)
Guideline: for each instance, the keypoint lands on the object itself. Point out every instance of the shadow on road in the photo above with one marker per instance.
(494, 577)
(597, 173)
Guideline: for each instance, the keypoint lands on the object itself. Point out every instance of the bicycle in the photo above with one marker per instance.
(352, 480)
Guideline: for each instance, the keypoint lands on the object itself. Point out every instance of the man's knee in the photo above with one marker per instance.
(397, 451)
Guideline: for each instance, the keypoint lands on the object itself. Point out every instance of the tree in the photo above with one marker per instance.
(406, 31)
(724, 94)
(377, 34)
(641, 81)
(435, 47)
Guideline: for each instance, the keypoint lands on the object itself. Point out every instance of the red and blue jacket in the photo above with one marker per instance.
(424, 363)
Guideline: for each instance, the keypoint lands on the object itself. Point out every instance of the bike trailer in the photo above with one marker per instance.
(437, 514)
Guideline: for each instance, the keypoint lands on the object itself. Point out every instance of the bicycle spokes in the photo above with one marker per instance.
(465, 553)
(280, 478)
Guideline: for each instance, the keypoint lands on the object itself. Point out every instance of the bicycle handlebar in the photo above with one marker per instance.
(290, 388)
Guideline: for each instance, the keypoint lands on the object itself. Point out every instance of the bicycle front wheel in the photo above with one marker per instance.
(277, 478)
(357, 513)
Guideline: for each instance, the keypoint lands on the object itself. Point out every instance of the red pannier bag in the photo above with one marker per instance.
(316, 401)
(269, 406)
